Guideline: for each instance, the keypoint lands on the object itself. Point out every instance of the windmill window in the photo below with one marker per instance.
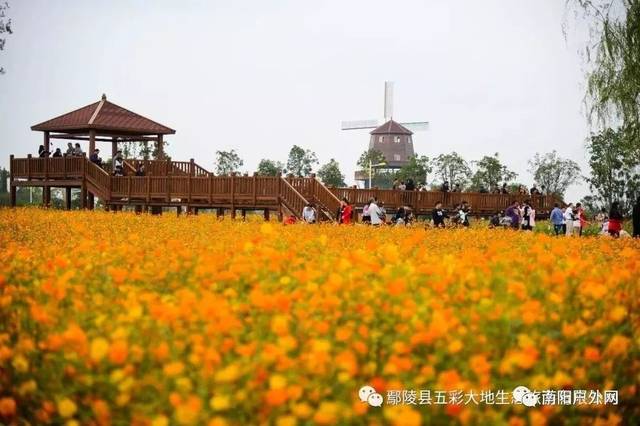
(381, 139)
(396, 157)
(397, 139)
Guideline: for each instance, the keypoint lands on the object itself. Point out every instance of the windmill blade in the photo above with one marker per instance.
(388, 100)
(417, 126)
(359, 124)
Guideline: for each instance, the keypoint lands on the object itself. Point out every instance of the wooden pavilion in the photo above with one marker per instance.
(102, 121)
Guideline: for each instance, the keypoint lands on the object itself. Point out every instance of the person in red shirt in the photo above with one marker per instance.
(345, 212)
(615, 220)
(582, 217)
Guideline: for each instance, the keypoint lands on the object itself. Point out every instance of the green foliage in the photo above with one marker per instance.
(453, 168)
(227, 162)
(269, 167)
(418, 168)
(613, 85)
(4, 181)
(330, 174)
(553, 172)
(490, 172)
(301, 161)
(372, 156)
(613, 173)
(5, 27)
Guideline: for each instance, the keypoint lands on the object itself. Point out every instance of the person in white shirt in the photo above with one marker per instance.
(568, 219)
(375, 213)
(309, 214)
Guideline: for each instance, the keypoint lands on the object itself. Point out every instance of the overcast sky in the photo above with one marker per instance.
(259, 76)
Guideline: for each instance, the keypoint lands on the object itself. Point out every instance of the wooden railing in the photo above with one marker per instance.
(424, 201)
(200, 187)
(325, 198)
(291, 198)
(48, 168)
(167, 168)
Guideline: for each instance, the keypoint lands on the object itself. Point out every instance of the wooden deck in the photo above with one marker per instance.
(185, 184)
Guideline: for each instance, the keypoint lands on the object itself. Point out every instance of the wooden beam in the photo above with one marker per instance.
(92, 142)
(114, 148)
(160, 147)
(67, 197)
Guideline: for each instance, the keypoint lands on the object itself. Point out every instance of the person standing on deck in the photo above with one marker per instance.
(69, 152)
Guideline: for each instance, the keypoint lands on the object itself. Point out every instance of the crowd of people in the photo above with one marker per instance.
(76, 151)
(570, 220)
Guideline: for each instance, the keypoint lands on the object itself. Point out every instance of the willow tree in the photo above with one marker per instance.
(613, 68)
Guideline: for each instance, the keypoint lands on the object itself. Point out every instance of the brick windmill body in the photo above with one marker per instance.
(393, 139)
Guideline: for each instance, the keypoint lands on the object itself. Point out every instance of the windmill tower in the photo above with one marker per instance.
(392, 138)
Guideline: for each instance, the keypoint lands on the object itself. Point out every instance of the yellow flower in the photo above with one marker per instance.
(228, 374)
(277, 382)
(66, 407)
(99, 348)
(220, 402)
(20, 363)
(160, 421)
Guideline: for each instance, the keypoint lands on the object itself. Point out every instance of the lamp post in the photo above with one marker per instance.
(371, 167)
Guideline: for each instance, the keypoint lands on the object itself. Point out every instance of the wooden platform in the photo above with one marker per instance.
(185, 184)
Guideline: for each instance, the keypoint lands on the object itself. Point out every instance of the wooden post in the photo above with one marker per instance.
(92, 142)
(46, 190)
(28, 166)
(233, 207)
(148, 189)
(12, 188)
(114, 147)
(129, 189)
(219, 212)
(266, 215)
(254, 187)
(210, 183)
(91, 199)
(160, 148)
(192, 167)
(244, 214)
(67, 197)
(166, 183)
(179, 210)
(83, 195)
(278, 179)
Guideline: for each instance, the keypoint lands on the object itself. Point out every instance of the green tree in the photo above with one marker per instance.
(330, 174)
(372, 155)
(612, 177)
(380, 177)
(269, 167)
(5, 27)
(417, 169)
(613, 73)
(453, 168)
(490, 172)
(301, 161)
(553, 172)
(4, 181)
(227, 162)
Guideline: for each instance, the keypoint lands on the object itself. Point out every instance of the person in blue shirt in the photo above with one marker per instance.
(557, 218)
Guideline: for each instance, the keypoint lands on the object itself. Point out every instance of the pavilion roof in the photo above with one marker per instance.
(392, 128)
(103, 117)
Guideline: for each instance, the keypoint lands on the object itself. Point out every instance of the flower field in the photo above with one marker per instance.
(143, 320)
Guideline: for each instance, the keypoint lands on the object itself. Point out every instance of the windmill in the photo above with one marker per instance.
(391, 138)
